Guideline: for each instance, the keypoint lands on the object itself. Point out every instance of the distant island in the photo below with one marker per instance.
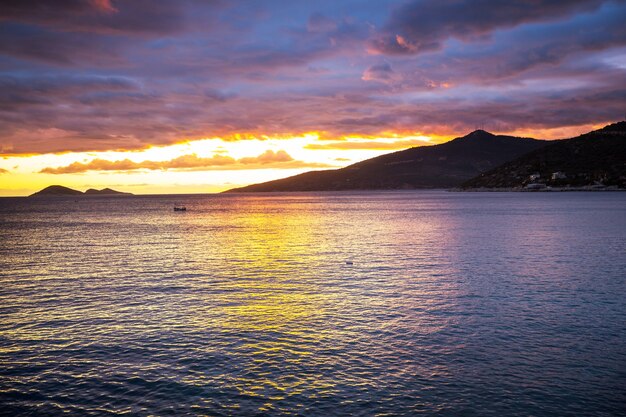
(479, 160)
(60, 191)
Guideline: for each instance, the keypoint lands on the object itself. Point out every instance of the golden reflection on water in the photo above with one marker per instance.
(246, 303)
(271, 294)
(268, 282)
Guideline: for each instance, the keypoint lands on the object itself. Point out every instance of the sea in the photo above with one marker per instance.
(393, 303)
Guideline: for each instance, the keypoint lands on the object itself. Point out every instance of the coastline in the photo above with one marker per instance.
(540, 190)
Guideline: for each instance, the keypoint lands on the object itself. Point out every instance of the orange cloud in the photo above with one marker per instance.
(558, 132)
(370, 145)
(268, 159)
(408, 46)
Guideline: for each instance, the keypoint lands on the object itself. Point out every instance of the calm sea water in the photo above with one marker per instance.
(456, 304)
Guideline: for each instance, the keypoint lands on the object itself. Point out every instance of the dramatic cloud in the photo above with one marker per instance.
(424, 25)
(268, 159)
(94, 75)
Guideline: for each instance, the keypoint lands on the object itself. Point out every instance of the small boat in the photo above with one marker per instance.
(180, 208)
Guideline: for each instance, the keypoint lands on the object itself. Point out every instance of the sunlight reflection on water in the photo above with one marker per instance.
(472, 304)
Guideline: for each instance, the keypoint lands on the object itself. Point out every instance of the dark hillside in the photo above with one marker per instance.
(438, 166)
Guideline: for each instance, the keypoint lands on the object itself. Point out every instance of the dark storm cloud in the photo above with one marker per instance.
(424, 25)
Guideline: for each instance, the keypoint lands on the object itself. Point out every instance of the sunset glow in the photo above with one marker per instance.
(203, 96)
(204, 165)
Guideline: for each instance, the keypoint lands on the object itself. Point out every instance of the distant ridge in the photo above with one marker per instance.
(595, 160)
(104, 191)
(60, 191)
(438, 166)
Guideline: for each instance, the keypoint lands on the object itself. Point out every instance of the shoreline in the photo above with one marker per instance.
(539, 190)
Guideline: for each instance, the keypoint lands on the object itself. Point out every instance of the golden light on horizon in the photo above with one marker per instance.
(229, 162)
(215, 164)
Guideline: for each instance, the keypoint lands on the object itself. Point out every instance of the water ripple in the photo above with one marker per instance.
(453, 304)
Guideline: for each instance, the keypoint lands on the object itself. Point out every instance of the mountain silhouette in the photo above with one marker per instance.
(437, 166)
(596, 158)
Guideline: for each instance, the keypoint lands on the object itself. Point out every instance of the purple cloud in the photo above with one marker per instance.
(424, 25)
(78, 75)
(101, 16)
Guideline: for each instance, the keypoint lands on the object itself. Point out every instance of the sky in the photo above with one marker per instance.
(195, 96)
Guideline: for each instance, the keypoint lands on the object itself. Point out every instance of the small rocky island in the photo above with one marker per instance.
(60, 191)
